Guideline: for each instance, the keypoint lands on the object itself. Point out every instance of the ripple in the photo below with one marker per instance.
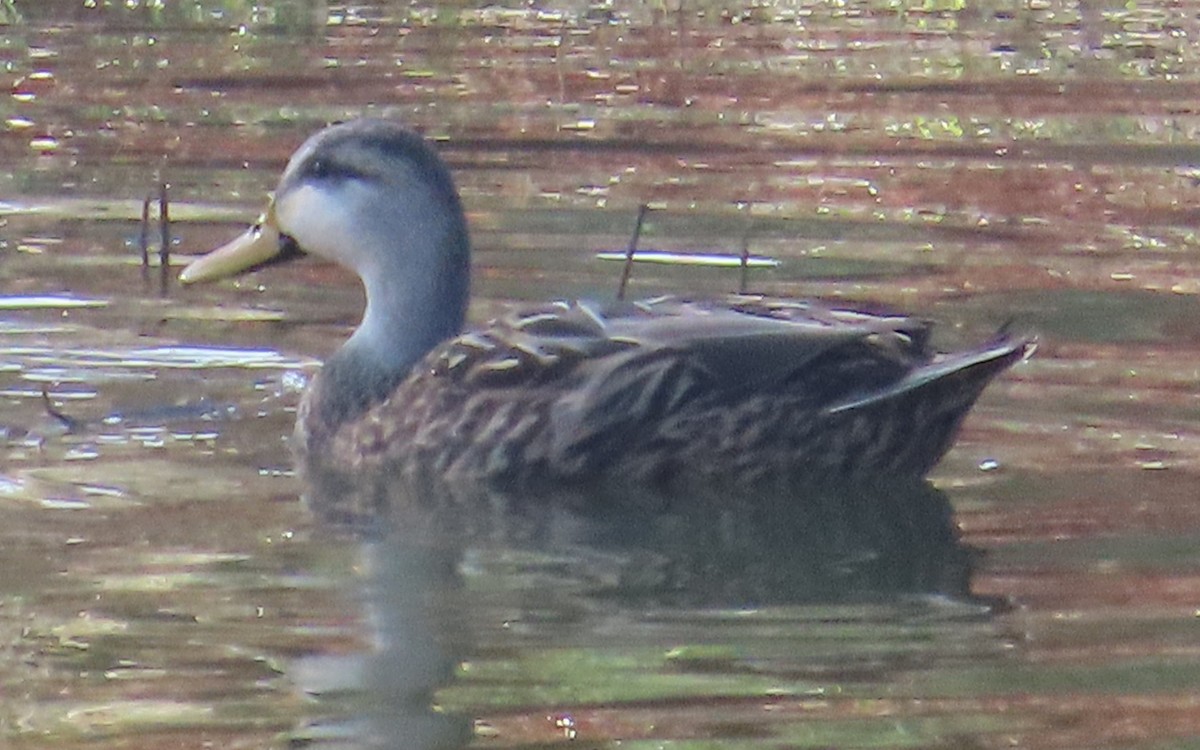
(173, 357)
(47, 302)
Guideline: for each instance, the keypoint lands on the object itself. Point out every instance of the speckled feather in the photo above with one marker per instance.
(649, 394)
(654, 391)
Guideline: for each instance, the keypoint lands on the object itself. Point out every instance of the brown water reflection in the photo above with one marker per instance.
(161, 585)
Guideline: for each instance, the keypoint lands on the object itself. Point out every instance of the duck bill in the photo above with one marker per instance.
(262, 243)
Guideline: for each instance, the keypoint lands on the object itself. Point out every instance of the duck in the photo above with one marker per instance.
(570, 392)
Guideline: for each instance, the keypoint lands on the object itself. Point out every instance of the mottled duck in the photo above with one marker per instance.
(569, 392)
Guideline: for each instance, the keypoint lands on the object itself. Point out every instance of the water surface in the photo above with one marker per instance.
(161, 583)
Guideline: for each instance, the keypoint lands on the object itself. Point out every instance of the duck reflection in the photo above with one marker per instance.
(615, 557)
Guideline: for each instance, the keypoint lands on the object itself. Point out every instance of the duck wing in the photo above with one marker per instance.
(747, 387)
(669, 359)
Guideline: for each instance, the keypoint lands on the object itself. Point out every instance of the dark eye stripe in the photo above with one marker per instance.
(328, 169)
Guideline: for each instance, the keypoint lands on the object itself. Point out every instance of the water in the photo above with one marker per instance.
(161, 583)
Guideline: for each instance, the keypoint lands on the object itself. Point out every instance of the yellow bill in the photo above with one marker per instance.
(257, 245)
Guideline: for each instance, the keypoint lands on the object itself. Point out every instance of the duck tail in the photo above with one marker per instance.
(967, 372)
(924, 410)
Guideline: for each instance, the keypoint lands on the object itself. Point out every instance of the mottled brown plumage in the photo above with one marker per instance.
(749, 392)
(743, 390)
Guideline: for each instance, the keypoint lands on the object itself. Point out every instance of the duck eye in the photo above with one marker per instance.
(325, 169)
(319, 169)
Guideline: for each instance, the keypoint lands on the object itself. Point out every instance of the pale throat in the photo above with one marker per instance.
(410, 310)
(411, 253)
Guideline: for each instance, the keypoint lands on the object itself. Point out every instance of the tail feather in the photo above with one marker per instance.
(980, 365)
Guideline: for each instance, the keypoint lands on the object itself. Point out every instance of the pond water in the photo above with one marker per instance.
(162, 584)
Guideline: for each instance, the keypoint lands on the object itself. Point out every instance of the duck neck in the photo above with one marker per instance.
(415, 300)
(405, 318)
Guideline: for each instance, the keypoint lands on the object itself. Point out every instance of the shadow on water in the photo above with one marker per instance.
(821, 555)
